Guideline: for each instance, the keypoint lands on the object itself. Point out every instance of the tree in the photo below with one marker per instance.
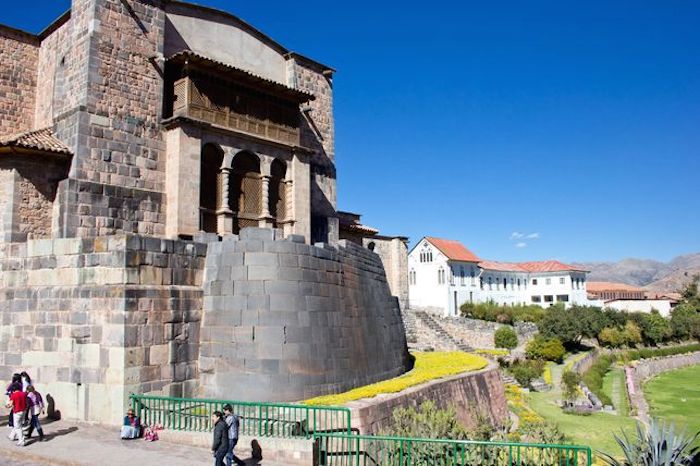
(562, 324)
(685, 322)
(655, 329)
(569, 385)
(548, 349)
(611, 337)
(591, 320)
(690, 293)
(505, 337)
(631, 334)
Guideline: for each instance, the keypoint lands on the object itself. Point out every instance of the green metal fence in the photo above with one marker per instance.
(358, 450)
(257, 419)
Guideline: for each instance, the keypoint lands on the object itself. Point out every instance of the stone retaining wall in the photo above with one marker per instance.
(285, 321)
(471, 394)
(480, 333)
(93, 320)
(645, 369)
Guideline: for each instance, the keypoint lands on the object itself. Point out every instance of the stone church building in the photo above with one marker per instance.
(169, 220)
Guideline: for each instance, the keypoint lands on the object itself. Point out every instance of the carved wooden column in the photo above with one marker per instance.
(224, 214)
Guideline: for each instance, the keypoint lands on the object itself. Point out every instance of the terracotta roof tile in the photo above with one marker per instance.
(549, 266)
(454, 250)
(41, 140)
(599, 287)
(501, 266)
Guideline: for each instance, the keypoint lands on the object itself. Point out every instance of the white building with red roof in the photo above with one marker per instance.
(444, 274)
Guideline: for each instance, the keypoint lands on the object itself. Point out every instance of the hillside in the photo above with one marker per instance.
(647, 273)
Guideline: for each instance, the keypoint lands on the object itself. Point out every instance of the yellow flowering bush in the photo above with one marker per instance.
(428, 366)
(516, 403)
(492, 352)
(547, 376)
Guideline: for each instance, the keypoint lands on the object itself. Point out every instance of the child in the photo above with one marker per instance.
(36, 407)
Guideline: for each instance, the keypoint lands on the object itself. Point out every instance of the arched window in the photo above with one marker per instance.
(412, 277)
(371, 246)
(212, 158)
(245, 191)
(441, 276)
(277, 199)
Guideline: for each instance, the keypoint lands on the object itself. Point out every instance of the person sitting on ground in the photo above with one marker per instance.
(18, 403)
(132, 426)
(36, 407)
(16, 384)
(219, 447)
(233, 423)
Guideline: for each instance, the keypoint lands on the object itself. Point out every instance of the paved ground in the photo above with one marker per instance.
(76, 444)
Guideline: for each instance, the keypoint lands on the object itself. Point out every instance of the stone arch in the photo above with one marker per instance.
(212, 158)
(277, 200)
(245, 190)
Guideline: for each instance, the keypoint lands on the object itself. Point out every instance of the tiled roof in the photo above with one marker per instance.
(610, 286)
(549, 266)
(41, 140)
(188, 56)
(501, 266)
(454, 250)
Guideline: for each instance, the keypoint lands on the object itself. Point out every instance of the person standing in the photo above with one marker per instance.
(16, 384)
(219, 446)
(36, 408)
(18, 403)
(26, 381)
(233, 422)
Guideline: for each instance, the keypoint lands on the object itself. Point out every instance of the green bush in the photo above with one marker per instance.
(593, 377)
(526, 371)
(646, 353)
(493, 312)
(548, 349)
(505, 337)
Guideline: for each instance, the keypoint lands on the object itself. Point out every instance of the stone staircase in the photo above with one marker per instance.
(440, 331)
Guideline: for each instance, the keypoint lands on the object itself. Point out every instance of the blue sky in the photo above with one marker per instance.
(574, 123)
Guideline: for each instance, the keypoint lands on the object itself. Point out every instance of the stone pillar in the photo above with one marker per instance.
(288, 227)
(224, 214)
(301, 195)
(182, 178)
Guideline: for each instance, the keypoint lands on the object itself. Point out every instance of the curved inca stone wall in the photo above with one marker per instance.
(286, 321)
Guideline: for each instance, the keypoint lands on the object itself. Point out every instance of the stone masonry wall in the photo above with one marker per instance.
(471, 395)
(115, 129)
(18, 55)
(286, 321)
(317, 133)
(645, 369)
(56, 62)
(93, 320)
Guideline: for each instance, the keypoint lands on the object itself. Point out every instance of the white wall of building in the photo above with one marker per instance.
(641, 305)
(426, 264)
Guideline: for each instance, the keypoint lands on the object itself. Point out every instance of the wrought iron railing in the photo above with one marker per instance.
(256, 419)
(357, 450)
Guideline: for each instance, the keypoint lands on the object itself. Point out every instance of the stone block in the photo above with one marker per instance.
(263, 272)
(261, 259)
(261, 234)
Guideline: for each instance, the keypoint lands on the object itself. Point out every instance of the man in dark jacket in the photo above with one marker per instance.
(219, 447)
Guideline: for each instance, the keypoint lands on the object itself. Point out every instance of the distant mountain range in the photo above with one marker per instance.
(650, 274)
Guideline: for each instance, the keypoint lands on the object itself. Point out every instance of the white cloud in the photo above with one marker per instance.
(535, 235)
(520, 245)
(516, 235)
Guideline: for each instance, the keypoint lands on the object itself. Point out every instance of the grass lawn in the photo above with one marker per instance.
(595, 430)
(614, 387)
(675, 396)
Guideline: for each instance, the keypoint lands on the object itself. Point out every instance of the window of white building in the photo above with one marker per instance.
(548, 281)
(534, 281)
(490, 285)
(461, 276)
(441, 276)
(412, 277)
(548, 298)
(537, 299)
(518, 284)
(562, 280)
(564, 298)
(474, 279)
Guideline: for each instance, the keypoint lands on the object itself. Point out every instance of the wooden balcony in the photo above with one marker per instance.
(237, 108)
